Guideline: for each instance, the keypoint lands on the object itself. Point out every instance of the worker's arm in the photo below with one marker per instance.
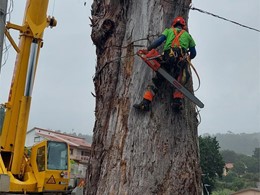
(193, 52)
(157, 42)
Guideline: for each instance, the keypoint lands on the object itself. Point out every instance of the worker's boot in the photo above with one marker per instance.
(177, 105)
(144, 105)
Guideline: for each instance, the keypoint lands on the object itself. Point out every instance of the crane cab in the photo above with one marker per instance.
(45, 169)
(50, 163)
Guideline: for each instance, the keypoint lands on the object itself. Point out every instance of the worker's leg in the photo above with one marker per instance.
(149, 93)
(177, 95)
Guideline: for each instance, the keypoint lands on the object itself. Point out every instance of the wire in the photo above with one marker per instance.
(214, 15)
(5, 52)
(220, 17)
(53, 7)
(10, 10)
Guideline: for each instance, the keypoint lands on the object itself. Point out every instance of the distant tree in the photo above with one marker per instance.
(256, 153)
(223, 192)
(229, 178)
(238, 184)
(231, 141)
(254, 163)
(240, 168)
(212, 162)
(229, 156)
(251, 177)
(245, 173)
(244, 164)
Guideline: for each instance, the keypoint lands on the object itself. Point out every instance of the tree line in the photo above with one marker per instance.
(244, 173)
(241, 143)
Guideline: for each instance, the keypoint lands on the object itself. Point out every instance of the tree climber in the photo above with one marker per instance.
(178, 43)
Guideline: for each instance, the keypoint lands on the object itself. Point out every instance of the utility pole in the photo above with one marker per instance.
(3, 8)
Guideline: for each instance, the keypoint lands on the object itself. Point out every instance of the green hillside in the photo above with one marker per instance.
(242, 143)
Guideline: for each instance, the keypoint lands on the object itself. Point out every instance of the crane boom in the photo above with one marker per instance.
(18, 105)
(29, 174)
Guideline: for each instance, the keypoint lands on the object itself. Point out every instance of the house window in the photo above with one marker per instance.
(37, 139)
(71, 151)
(84, 153)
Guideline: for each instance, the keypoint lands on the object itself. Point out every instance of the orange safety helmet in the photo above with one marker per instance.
(179, 20)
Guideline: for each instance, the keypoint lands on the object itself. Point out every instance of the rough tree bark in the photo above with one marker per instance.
(133, 152)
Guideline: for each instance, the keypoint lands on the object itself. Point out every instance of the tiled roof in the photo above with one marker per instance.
(56, 136)
(229, 165)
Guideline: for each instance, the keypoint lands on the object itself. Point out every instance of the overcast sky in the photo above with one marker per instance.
(228, 62)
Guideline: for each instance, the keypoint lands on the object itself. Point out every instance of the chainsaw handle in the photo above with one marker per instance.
(150, 58)
(142, 52)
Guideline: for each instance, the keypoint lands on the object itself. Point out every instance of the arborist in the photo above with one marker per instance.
(178, 49)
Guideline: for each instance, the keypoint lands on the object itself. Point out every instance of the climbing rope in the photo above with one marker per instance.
(194, 69)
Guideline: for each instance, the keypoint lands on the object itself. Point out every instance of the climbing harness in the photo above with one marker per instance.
(177, 52)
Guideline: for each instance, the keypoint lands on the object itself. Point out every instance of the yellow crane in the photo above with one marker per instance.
(47, 167)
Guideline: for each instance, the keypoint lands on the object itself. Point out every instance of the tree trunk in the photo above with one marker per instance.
(134, 152)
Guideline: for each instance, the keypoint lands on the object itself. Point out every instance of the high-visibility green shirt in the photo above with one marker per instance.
(186, 40)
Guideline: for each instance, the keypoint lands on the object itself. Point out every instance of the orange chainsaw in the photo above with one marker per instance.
(150, 58)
